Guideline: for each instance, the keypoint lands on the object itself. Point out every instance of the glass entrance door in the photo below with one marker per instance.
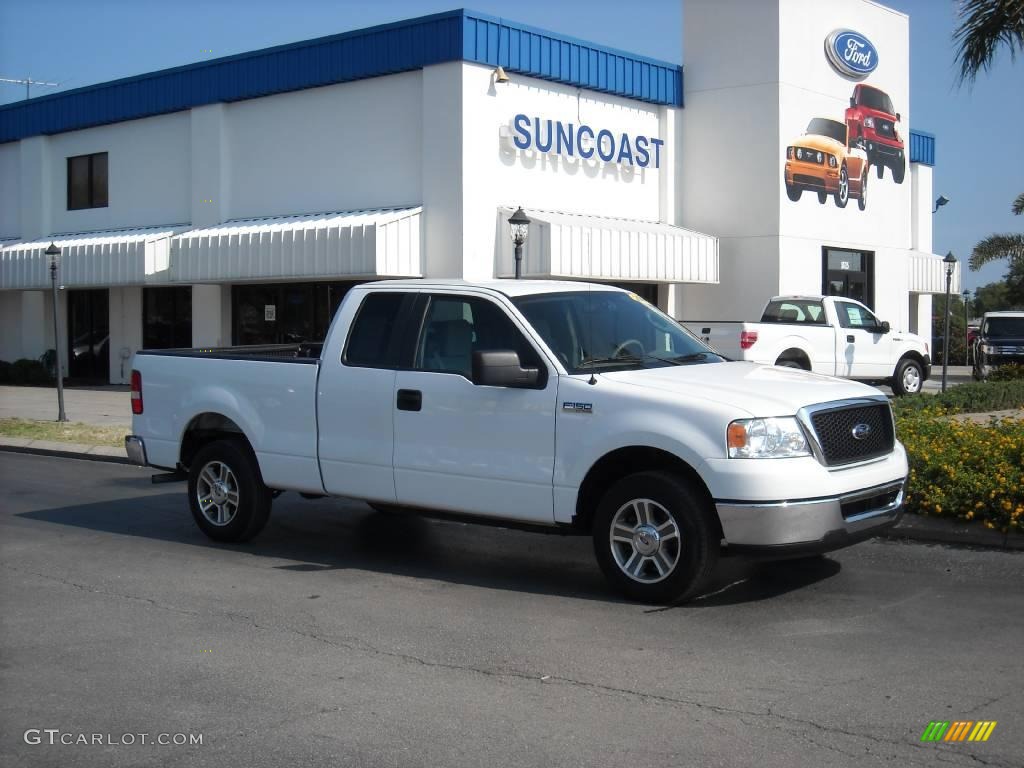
(849, 274)
(89, 336)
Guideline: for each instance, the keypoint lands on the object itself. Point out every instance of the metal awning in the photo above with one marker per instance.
(115, 257)
(367, 243)
(927, 274)
(593, 247)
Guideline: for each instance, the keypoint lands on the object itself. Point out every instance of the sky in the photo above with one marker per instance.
(979, 152)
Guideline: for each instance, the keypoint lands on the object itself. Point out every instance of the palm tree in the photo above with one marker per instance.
(1009, 246)
(985, 25)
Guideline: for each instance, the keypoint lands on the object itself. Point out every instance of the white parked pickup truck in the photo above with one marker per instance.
(824, 334)
(554, 406)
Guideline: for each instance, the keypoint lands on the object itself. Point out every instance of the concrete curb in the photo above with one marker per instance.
(933, 530)
(64, 450)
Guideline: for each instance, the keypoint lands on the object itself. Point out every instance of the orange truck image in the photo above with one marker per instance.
(826, 160)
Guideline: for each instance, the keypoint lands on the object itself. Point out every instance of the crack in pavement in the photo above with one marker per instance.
(766, 718)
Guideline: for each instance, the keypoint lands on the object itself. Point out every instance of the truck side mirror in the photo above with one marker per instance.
(502, 368)
(898, 118)
(884, 327)
(853, 101)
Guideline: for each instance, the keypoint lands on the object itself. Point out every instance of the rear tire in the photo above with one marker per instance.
(862, 201)
(226, 494)
(790, 364)
(655, 538)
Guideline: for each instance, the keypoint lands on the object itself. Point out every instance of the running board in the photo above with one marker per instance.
(169, 477)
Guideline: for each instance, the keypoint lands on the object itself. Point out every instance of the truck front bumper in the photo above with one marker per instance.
(136, 450)
(811, 525)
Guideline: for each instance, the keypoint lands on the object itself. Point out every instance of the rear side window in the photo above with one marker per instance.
(371, 341)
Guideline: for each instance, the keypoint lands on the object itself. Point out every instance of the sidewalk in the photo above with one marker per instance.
(109, 405)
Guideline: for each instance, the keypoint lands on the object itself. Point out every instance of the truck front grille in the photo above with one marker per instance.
(854, 433)
(885, 128)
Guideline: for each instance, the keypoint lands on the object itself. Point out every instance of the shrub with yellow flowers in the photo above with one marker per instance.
(964, 469)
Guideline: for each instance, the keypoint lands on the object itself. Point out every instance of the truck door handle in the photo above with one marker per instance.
(849, 339)
(410, 400)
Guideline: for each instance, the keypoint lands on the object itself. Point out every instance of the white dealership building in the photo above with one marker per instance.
(234, 201)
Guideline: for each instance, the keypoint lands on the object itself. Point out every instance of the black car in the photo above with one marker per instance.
(999, 341)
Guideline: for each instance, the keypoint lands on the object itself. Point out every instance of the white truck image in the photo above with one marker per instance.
(833, 335)
(548, 405)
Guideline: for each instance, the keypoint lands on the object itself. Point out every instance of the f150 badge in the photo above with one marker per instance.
(578, 407)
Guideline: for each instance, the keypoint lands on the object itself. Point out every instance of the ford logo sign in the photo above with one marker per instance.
(851, 54)
(861, 431)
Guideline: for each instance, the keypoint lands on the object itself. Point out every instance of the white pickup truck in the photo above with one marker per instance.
(824, 334)
(553, 406)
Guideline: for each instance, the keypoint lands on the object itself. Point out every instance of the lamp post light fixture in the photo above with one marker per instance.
(519, 227)
(54, 253)
(967, 350)
(940, 201)
(950, 262)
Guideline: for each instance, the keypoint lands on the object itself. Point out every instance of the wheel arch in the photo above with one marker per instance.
(617, 464)
(917, 357)
(796, 355)
(206, 427)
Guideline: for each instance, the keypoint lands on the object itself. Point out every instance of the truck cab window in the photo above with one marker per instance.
(456, 326)
(370, 342)
(853, 316)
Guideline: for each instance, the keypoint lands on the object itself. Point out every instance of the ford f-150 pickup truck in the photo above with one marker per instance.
(824, 334)
(872, 118)
(548, 405)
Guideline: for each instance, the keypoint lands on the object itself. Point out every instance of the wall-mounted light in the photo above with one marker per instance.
(499, 75)
(940, 201)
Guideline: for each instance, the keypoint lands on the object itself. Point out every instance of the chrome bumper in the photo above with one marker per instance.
(136, 450)
(826, 523)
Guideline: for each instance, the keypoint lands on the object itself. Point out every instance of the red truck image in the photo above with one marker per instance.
(871, 117)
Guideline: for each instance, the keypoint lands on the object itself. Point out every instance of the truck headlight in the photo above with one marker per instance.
(869, 122)
(988, 349)
(773, 438)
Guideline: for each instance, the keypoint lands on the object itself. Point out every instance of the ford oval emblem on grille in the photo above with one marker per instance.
(861, 431)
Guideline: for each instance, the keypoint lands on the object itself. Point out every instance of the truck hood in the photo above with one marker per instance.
(760, 390)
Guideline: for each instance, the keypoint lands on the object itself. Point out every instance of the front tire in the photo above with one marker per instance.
(842, 195)
(655, 538)
(822, 197)
(862, 201)
(226, 494)
(909, 377)
(880, 170)
(898, 172)
(793, 193)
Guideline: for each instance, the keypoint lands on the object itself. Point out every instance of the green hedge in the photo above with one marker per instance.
(976, 397)
(24, 371)
(1009, 372)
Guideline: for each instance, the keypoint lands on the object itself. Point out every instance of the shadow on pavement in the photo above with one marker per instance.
(326, 535)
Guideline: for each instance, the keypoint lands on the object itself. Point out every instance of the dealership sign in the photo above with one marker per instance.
(851, 54)
(571, 140)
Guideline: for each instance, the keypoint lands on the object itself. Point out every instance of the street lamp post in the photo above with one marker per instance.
(967, 350)
(519, 226)
(950, 262)
(54, 253)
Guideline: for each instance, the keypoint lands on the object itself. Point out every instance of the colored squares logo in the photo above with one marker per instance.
(958, 730)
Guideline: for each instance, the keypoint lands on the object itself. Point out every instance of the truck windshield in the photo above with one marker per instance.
(610, 330)
(1004, 327)
(877, 100)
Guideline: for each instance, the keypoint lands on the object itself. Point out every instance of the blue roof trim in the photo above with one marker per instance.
(922, 147)
(386, 49)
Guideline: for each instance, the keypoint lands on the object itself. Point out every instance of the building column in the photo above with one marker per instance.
(923, 318)
(210, 192)
(125, 331)
(34, 322)
(35, 188)
(207, 316)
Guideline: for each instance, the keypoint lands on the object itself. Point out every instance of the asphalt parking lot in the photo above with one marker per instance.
(344, 637)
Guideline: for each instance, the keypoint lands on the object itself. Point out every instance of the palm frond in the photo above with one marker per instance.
(995, 247)
(1018, 204)
(985, 25)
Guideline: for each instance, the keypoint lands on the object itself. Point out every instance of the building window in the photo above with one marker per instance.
(167, 317)
(87, 181)
(284, 313)
(849, 273)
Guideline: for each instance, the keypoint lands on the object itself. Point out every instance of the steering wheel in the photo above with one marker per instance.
(628, 342)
